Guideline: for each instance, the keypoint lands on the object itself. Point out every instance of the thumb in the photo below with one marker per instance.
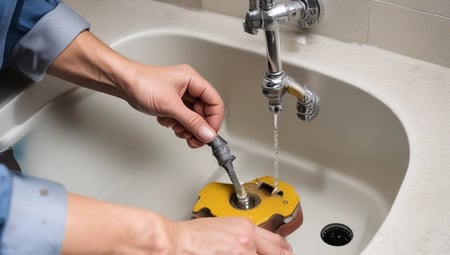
(195, 124)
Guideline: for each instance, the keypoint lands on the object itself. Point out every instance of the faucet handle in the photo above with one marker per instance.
(313, 13)
(253, 18)
(308, 108)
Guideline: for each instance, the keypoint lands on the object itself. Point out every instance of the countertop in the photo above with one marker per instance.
(418, 92)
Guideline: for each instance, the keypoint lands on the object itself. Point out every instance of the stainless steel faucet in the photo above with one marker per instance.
(267, 15)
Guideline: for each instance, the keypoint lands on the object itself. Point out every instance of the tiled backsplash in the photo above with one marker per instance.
(416, 28)
(192, 4)
(415, 33)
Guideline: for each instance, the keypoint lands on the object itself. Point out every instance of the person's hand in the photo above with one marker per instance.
(177, 95)
(214, 236)
(96, 227)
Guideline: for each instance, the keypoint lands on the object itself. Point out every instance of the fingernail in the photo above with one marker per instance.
(206, 134)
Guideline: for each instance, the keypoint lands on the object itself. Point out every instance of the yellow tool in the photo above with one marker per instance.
(279, 212)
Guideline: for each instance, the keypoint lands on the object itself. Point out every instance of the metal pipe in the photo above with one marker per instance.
(273, 50)
(267, 16)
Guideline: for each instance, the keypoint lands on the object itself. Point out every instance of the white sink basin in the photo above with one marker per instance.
(347, 165)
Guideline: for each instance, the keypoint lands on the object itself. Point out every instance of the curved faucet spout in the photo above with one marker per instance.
(308, 102)
(275, 87)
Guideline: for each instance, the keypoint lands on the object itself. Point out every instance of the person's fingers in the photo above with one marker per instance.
(180, 131)
(268, 243)
(193, 142)
(200, 109)
(207, 99)
(166, 121)
(193, 122)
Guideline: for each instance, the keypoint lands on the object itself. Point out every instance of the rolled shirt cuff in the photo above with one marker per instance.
(37, 217)
(37, 49)
(5, 197)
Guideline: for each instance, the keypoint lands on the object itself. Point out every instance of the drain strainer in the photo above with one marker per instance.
(336, 234)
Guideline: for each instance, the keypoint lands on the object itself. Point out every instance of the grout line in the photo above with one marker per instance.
(412, 9)
(368, 22)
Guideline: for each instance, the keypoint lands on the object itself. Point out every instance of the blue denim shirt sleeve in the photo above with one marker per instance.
(34, 32)
(36, 216)
(37, 49)
(7, 8)
(17, 17)
(5, 197)
(26, 14)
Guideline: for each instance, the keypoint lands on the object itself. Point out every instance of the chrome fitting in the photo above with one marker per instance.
(267, 15)
(313, 13)
(275, 86)
(273, 89)
(308, 108)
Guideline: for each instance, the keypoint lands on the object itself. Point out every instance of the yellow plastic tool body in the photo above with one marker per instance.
(215, 200)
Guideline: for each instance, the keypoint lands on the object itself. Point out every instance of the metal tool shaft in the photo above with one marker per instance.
(222, 153)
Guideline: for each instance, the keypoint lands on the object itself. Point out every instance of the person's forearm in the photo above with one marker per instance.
(96, 227)
(90, 63)
(179, 96)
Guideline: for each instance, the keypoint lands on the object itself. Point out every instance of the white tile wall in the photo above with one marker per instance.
(409, 32)
(347, 22)
(416, 28)
(191, 4)
(234, 8)
(438, 7)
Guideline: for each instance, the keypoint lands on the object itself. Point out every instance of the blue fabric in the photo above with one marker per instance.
(33, 211)
(26, 14)
(36, 50)
(37, 35)
(32, 215)
(37, 217)
(7, 8)
(17, 17)
(5, 197)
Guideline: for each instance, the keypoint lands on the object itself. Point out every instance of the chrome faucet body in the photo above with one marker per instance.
(267, 15)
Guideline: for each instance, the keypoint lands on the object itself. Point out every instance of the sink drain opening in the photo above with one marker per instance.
(336, 234)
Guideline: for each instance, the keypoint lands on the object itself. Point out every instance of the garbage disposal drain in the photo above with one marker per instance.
(336, 234)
